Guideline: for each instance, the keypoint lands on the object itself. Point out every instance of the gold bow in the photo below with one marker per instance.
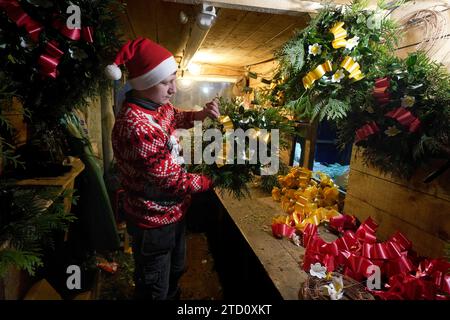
(319, 215)
(316, 74)
(257, 133)
(222, 157)
(339, 35)
(352, 68)
(226, 122)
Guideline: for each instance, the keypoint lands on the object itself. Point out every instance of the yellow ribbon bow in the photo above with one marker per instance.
(352, 68)
(223, 152)
(339, 35)
(316, 74)
(226, 122)
(262, 136)
(319, 215)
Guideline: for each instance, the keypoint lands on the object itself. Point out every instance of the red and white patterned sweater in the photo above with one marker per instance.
(157, 188)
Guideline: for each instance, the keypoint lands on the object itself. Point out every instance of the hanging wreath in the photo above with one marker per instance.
(333, 61)
(405, 121)
(52, 66)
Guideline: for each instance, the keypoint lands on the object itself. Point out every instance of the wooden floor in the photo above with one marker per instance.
(201, 280)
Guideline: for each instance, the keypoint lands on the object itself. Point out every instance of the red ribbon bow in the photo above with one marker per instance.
(75, 34)
(49, 60)
(356, 252)
(280, 230)
(405, 117)
(21, 18)
(343, 221)
(366, 130)
(380, 92)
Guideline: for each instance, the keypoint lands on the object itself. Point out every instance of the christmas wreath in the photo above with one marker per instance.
(53, 61)
(332, 60)
(343, 67)
(405, 120)
(231, 175)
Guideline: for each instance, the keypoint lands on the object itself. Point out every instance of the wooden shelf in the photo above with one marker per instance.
(15, 283)
(61, 181)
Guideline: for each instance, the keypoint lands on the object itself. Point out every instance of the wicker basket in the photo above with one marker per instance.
(312, 289)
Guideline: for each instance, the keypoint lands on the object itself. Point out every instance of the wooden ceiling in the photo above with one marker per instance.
(242, 35)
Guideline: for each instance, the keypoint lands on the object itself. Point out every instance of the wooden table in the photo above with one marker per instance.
(281, 258)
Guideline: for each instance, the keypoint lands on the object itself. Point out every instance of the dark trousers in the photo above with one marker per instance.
(160, 257)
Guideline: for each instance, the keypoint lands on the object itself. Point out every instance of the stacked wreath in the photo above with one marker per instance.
(52, 64)
(342, 67)
(405, 121)
(333, 60)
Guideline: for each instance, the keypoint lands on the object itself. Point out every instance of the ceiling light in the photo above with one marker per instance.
(205, 90)
(183, 17)
(184, 83)
(194, 68)
(206, 17)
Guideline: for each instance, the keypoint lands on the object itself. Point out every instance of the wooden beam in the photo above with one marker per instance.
(290, 7)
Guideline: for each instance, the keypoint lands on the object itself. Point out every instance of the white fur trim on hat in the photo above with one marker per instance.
(156, 75)
(113, 72)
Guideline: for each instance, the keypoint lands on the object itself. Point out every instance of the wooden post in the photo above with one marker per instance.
(13, 112)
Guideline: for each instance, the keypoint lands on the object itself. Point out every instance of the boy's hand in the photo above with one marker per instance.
(211, 110)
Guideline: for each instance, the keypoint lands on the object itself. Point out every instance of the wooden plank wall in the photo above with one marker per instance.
(420, 211)
(415, 33)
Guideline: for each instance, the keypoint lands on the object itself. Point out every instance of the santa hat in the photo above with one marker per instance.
(147, 62)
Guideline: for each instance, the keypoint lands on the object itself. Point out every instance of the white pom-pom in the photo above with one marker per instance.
(113, 72)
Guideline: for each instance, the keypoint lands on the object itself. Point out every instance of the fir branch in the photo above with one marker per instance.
(33, 216)
(25, 260)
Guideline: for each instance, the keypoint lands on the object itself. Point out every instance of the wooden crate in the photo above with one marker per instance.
(420, 211)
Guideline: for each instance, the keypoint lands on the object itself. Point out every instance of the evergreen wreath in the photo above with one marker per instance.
(333, 59)
(233, 178)
(408, 124)
(53, 69)
(396, 109)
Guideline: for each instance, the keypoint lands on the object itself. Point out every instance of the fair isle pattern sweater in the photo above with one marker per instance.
(157, 188)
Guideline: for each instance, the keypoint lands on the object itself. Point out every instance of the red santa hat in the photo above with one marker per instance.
(147, 62)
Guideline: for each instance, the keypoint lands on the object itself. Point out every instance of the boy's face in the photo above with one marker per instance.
(163, 91)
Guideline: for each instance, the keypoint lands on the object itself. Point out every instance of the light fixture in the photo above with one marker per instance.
(185, 83)
(206, 17)
(183, 17)
(205, 90)
(194, 69)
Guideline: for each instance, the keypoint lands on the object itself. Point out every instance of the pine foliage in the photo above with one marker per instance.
(32, 216)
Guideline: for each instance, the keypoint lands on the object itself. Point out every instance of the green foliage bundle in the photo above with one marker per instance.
(233, 178)
(27, 228)
(370, 36)
(80, 69)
